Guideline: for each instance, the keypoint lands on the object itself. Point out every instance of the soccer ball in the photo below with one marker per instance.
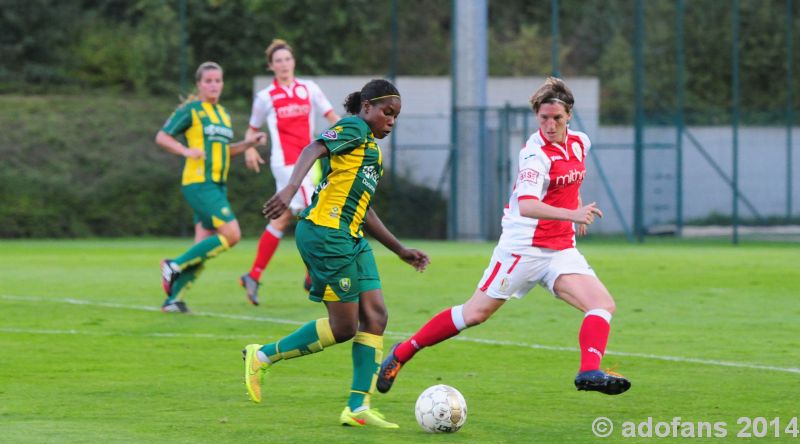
(441, 409)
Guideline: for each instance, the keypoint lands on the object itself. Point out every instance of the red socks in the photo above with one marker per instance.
(443, 326)
(266, 248)
(593, 338)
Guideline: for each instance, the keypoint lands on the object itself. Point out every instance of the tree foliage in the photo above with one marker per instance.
(135, 46)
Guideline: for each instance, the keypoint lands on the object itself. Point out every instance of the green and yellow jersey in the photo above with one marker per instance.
(342, 199)
(207, 127)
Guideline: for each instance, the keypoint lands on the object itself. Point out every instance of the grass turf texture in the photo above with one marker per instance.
(110, 370)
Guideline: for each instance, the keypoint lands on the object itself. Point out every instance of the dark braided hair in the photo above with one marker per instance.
(376, 89)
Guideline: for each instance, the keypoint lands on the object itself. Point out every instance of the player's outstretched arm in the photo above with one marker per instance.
(416, 258)
(251, 140)
(279, 203)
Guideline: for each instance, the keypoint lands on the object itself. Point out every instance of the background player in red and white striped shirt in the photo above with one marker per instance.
(537, 246)
(288, 106)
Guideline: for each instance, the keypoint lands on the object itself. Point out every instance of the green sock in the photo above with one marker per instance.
(199, 252)
(310, 338)
(367, 355)
(185, 281)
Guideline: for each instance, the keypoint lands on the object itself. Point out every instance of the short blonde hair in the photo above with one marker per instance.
(276, 45)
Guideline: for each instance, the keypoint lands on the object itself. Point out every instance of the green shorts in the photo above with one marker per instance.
(341, 267)
(209, 202)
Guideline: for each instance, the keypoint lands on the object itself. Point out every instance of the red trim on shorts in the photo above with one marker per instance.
(329, 111)
(491, 277)
(517, 257)
(305, 198)
(527, 198)
(253, 128)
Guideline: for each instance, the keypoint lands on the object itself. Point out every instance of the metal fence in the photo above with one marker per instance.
(667, 168)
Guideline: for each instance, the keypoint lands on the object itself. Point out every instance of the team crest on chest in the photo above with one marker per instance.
(576, 148)
(301, 92)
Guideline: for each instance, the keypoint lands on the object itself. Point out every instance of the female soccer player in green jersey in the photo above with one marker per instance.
(331, 241)
(205, 127)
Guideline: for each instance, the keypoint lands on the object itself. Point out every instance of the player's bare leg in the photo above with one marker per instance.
(443, 326)
(588, 294)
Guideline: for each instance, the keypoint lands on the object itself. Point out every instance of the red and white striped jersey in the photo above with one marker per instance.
(289, 113)
(552, 173)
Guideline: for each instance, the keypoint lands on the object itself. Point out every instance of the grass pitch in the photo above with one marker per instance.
(705, 331)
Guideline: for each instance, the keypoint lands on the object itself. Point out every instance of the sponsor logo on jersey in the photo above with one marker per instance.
(554, 158)
(330, 134)
(528, 175)
(371, 173)
(302, 92)
(576, 148)
(293, 110)
(344, 284)
(370, 178)
(571, 177)
(217, 130)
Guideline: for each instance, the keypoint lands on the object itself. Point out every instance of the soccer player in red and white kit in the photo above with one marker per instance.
(537, 246)
(288, 107)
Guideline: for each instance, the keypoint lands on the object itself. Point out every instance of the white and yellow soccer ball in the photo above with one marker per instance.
(441, 409)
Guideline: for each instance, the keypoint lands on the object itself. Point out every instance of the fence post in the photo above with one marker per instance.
(638, 82)
(789, 110)
(554, 37)
(735, 116)
(679, 118)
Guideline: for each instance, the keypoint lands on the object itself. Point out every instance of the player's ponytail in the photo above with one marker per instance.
(352, 104)
(374, 91)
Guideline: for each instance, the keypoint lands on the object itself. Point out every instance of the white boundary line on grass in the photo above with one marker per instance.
(73, 301)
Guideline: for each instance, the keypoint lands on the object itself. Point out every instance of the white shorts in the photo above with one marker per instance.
(514, 275)
(300, 200)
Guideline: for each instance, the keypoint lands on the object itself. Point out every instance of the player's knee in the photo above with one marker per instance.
(475, 317)
(606, 304)
(379, 318)
(343, 332)
(283, 221)
(233, 237)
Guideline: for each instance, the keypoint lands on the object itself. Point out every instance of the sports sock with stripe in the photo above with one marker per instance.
(367, 355)
(310, 338)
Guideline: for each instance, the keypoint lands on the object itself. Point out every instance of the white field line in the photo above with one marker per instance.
(73, 301)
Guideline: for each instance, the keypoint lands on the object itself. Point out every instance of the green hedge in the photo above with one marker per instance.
(76, 166)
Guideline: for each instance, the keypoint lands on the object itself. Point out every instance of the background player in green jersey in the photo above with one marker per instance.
(339, 259)
(204, 128)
